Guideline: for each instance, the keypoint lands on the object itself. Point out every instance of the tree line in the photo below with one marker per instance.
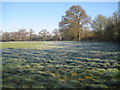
(24, 35)
(75, 25)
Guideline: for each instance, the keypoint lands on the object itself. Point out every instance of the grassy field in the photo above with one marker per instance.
(24, 45)
(60, 65)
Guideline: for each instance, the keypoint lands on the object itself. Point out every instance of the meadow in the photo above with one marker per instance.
(58, 64)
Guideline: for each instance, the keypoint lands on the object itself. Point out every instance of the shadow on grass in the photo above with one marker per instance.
(67, 65)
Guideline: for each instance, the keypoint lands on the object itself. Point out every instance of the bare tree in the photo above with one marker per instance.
(99, 25)
(56, 33)
(22, 35)
(44, 34)
(14, 36)
(31, 34)
(6, 36)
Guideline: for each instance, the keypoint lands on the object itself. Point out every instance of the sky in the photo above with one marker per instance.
(47, 15)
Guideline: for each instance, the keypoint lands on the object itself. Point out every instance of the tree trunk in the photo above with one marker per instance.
(79, 36)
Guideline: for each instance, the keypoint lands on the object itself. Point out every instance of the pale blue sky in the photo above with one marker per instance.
(47, 15)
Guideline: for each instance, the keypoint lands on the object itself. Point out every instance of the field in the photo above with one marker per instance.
(60, 65)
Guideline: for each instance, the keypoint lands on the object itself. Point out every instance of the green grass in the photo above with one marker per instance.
(60, 65)
(25, 45)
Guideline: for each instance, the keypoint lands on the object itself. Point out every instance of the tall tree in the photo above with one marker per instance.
(73, 23)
